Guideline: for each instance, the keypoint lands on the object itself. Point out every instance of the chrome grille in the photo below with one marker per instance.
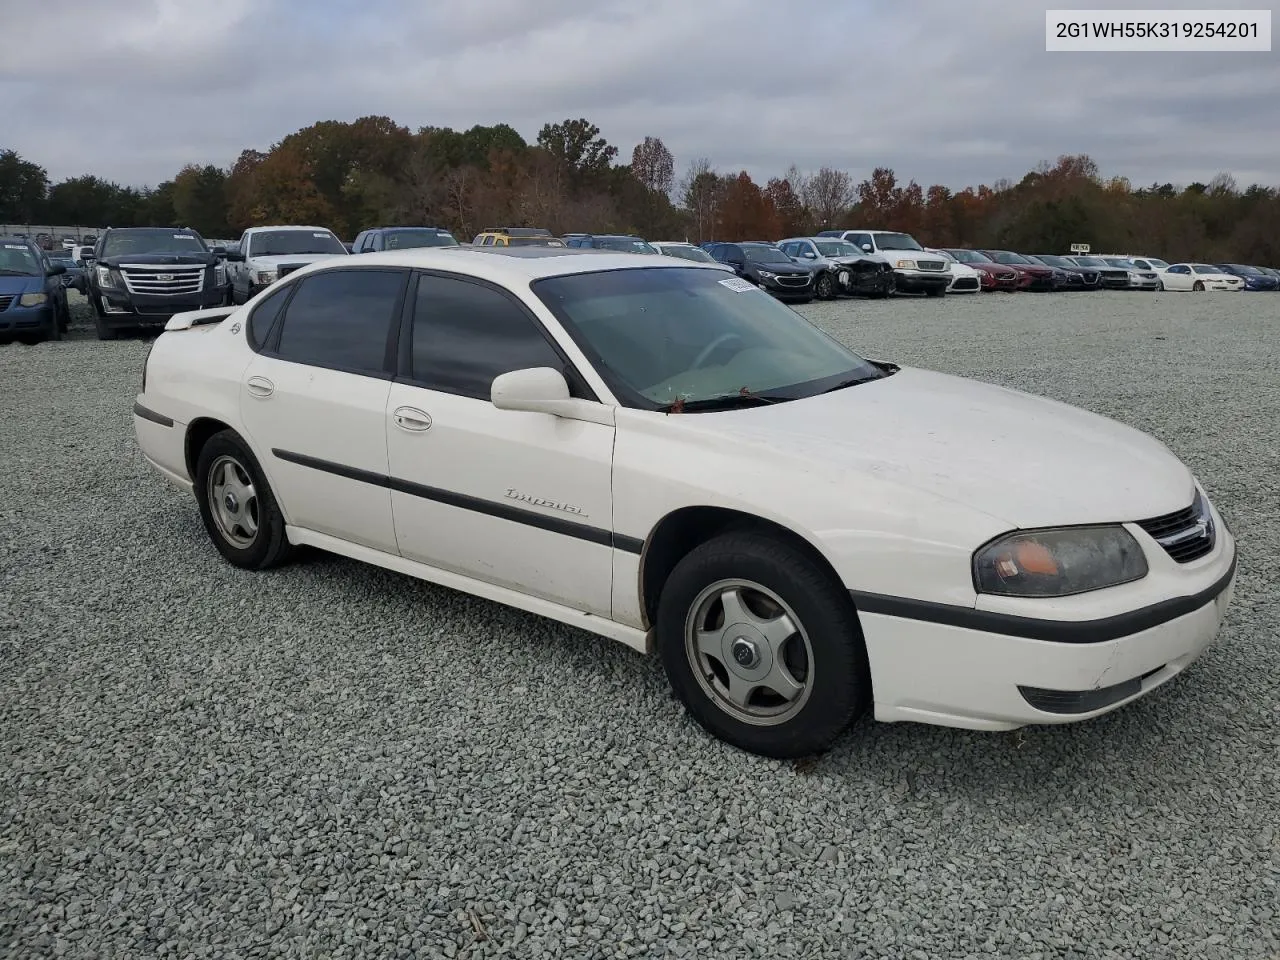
(932, 264)
(6, 299)
(794, 280)
(66, 279)
(163, 280)
(1186, 534)
(1147, 276)
(287, 268)
(1011, 275)
(1090, 277)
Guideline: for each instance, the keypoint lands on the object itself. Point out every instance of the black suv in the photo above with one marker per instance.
(401, 238)
(620, 242)
(768, 268)
(142, 276)
(33, 301)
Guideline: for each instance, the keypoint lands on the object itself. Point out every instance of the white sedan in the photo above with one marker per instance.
(667, 456)
(964, 279)
(1198, 277)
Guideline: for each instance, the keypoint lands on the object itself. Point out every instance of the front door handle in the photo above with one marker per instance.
(261, 386)
(412, 419)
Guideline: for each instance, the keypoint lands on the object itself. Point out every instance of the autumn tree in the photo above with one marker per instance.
(828, 194)
(653, 171)
(200, 199)
(789, 213)
(701, 194)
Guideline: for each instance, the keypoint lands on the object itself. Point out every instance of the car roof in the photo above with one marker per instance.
(287, 226)
(511, 264)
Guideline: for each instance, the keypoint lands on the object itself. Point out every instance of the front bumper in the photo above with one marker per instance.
(787, 291)
(965, 285)
(959, 676)
(919, 281)
(867, 281)
(124, 309)
(1039, 282)
(18, 319)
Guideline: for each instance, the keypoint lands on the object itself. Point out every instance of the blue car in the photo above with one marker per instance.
(33, 301)
(1254, 279)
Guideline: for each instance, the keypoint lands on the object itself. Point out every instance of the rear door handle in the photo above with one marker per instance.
(412, 419)
(261, 386)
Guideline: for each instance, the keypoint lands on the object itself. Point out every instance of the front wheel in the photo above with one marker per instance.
(1198, 287)
(237, 506)
(825, 288)
(762, 647)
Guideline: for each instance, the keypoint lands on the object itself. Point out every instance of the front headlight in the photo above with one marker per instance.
(265, 276)
(219, 275)
(906, 264)
(767, 275)
(1134, 276)
(1058, 563)
(33, 299)
(104, 277)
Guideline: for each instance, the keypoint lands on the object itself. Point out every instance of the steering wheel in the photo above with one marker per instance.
(710, 348)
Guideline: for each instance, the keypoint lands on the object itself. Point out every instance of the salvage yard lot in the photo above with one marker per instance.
(335, 760)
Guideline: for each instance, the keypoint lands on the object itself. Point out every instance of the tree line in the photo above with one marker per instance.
(372, 171)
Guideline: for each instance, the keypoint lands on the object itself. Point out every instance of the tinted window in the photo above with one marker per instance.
(341, 319)
(465, 334)
(264, 316)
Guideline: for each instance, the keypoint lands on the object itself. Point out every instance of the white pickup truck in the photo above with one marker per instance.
(915, 270)
(265, 254)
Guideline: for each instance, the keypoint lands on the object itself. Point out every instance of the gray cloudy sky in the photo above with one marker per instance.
(944, 92)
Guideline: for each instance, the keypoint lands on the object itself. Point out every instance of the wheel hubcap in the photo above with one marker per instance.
(233, 501)
(749, 652)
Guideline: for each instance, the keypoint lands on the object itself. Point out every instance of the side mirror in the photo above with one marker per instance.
(55, 269)
(235, 256)
(219, 251)
(544, 390)
(737, 264)
(866, 247)
(810, 255)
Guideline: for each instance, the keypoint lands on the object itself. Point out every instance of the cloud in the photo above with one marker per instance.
(942, 92)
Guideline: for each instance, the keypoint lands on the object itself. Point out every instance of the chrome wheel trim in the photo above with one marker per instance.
(749, 652)
(233, 502)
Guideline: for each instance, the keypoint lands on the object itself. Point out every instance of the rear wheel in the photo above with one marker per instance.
(762, 647)
(237, 506)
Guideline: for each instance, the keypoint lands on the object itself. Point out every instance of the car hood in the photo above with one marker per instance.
(159, 259)
(275, 261)
(1027, 460)
(12, 286)
(1026, 267)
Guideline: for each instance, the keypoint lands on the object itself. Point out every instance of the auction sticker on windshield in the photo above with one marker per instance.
(183, 236)
(322, 236)
(737, 284)
(14, 246)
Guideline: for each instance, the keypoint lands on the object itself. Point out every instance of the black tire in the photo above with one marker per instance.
(825, 287)
(837, 679)
(55, 328)
(935, 292)
(64, 321)
(105, 332)
(1198, 287)
(268, 547)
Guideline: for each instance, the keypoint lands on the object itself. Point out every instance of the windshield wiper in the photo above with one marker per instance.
(18, 273)
(853, 382)
(726, 401)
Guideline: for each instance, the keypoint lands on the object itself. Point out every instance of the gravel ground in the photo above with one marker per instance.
(335, 761)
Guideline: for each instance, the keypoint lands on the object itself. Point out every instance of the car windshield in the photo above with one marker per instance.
(1090, 261)
(696, 254)
(624, 244)
(1002, 256)
(403, 239)
(125, 243)
(1205, 268)
(664, 335)
(280, 243)
(944, 255)
(1054, 261)
(535, 242)
(762, 254)
(1158, 264)
(19, 258)
(837, 248)
(896, 241)
(970, 256)
(1247, 271)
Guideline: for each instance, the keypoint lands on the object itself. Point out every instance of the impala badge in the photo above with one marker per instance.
(513, 494)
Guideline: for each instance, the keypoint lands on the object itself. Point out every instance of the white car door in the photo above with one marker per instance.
(313, 399)
(513, 498)
(1178, 277)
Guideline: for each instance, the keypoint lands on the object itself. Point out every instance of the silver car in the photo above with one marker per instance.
(1139, 279)
(844, 268)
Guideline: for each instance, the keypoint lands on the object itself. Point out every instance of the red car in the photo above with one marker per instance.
(992, 275)
(1031, 276)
